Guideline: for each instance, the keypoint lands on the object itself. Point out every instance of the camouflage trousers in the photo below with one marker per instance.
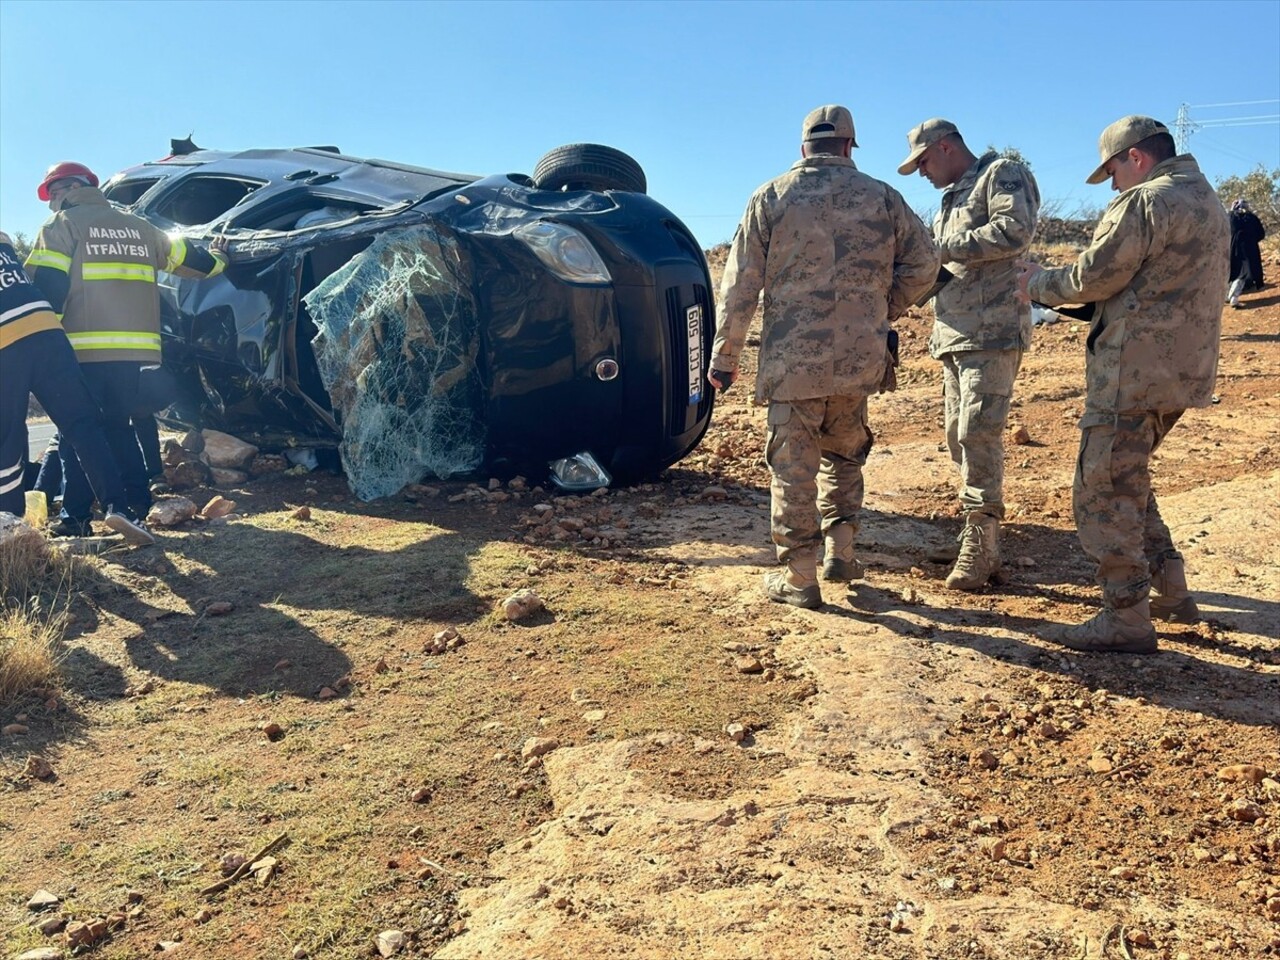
(1117, 517)
(816, 450)
(977, 386)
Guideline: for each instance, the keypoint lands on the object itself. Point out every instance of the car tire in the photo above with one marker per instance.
(589, 166)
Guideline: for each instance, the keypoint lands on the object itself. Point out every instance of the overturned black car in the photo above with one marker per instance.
(428, 322)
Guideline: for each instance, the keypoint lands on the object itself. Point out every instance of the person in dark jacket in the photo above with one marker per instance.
(1247, 232)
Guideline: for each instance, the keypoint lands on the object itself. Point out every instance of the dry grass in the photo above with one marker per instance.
(31, 625)
(30, 643)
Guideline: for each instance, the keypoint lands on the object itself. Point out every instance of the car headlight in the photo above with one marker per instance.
(580, 472)
(564, 251)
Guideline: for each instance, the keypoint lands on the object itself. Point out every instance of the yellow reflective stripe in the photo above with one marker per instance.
(118, 271)
(219, 264)
(114, 340)
(49, 258)
(177, 253)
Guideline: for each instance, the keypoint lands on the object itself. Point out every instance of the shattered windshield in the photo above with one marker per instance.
(396, 349)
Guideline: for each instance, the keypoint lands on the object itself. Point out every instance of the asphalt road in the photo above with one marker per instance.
(38, 437)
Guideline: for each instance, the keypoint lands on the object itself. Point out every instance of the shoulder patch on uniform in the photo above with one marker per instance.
(1009, 186)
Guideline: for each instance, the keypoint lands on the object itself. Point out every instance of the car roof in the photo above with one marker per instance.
(381, 180)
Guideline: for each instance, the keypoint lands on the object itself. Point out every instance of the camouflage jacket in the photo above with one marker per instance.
(839, 256)
(1155, 272)
(985, 222)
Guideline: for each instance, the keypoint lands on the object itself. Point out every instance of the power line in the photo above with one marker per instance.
(1238, 103)
(1184, 126)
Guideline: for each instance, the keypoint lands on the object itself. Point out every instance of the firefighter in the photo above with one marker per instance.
(96, 266)
(35, 357)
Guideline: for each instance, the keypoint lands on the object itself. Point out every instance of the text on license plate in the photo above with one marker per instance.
(693, 326)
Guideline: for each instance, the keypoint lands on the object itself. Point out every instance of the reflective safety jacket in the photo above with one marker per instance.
(23, 308)
(97, 267)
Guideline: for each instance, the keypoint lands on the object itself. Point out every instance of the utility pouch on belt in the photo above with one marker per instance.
(889, 382)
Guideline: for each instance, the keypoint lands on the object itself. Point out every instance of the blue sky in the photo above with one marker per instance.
(708, 96)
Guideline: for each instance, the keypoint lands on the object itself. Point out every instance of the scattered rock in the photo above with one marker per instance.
(224, 450)
(52, 925)
(302, 513)
(14, 729)
(1100, 765)
(192, 442)
(736, 732)
(204, 916)
(390, 942)
(1123, 873)
(984, 759)
(1242, 773)
(446, 639)
(421, 795)
(42, 900)
(538, 746)
(326, 693)
(593, 716)
(219, 608)
(188, 474)
(748, 665)
(171, 511)
(273, 731)
(41, 953)
(1244, 811)
(217, 507)
(230, 863)
(263, 870)
(283, 664)
(521, 604)
(1020, 435)
(38, 768)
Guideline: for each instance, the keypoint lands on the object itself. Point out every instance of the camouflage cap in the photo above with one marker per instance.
(1120, 136)
(921, 138)
(829, 122)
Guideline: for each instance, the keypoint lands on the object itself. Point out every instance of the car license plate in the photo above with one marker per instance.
(693, 326)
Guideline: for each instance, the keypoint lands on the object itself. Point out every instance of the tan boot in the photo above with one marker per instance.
(979, 559)
(796, 585)
(1174, 603)
(1112, 631)
(840, 565)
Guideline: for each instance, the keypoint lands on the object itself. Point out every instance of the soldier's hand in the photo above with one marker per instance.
(219, 246)
(721, 379)
(1026, 270)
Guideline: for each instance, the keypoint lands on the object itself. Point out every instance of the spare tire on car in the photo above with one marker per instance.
(589, 166)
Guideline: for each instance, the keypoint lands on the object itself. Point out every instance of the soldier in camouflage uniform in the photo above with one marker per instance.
(984, 223)
(1154, 275)
(839, 256)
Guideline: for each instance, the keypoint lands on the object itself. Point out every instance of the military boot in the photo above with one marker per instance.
(979, 558)
(840, 565)
(1174, 603)
(797, 585)
(1126, 630)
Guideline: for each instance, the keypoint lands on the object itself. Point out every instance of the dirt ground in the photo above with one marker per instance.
(919, 774)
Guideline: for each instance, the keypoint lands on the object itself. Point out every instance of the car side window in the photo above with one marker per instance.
(127, 192)
(198, 200)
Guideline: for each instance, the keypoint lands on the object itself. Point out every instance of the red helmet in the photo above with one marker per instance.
(61, 171)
